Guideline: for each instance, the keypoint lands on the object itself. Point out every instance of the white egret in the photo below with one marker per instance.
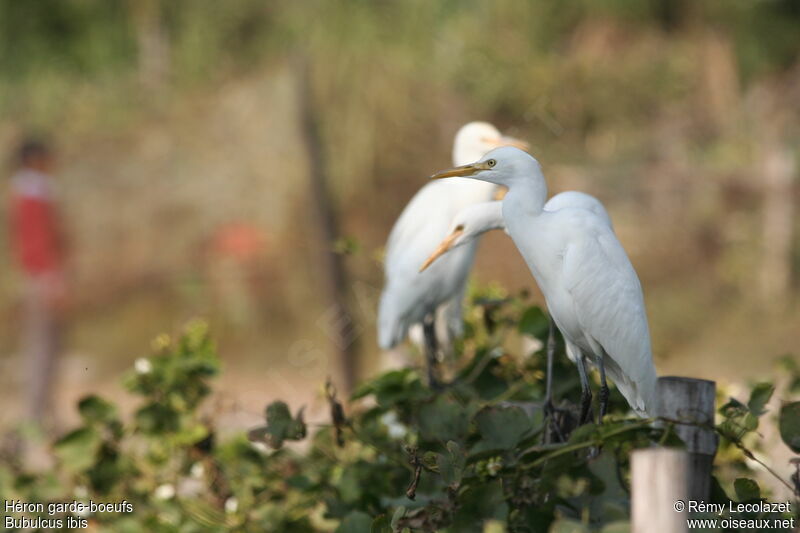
(410, 297)
(473, 221)
(591, 289)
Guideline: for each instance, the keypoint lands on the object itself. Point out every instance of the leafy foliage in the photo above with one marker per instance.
(398, 457)
(280, 426)
(790, 425)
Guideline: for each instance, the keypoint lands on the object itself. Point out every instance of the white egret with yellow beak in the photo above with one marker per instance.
(475, 220)
(410, 297)
(591, 289)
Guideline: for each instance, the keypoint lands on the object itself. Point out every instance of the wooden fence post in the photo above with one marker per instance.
(692, 401)
(659, 490)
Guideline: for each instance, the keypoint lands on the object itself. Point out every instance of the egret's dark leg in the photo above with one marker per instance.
(603, 386)
(551, 351)
(551, 424)
(431, 347)
(586, 393)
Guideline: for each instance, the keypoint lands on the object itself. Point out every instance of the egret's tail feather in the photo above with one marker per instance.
(641, 395)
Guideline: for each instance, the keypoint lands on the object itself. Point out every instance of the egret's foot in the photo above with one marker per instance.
(586, 407)
(604, 393)
(547, 411)
(552, 426)
(431, 349)
(433, 380)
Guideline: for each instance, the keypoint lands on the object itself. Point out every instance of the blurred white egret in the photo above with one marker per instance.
(591, 289)
(410, 297)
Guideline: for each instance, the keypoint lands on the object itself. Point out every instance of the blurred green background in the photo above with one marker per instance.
(184, 172)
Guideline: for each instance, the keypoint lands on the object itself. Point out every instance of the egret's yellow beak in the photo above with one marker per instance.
(497, 142)
(443, 247)
(460, 172)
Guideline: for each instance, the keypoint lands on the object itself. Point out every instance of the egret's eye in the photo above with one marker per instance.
(491, 163)
(460, 227)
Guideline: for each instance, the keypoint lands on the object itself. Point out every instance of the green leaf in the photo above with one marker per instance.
(77, 450)
(157, 418)
(430, 461)
(790, 368)
(534, 322)
(613, 502)
(790, 425)
(299, 482)
(583, 433)
(93, 409)
(746, 489)
(759, 397)
(399, 513)
(443, 420)
(478, 503)
(750, 422)
(278, 414)
(738, 420)
(191, 434)
(107, 471)
(351, 485)
(718, 494)
(280, 426)
(393, 387)
(451, 465)
(355, 522)
(501, 428)
(297, 427)
(732, 408)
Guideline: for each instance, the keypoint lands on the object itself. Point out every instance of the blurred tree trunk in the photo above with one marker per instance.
(778, 167)
(152, 43)
(338, 320)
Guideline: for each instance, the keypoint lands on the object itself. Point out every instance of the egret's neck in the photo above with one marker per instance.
(526, 196)
(523, 206)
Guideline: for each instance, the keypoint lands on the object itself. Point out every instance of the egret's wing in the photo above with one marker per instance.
(420, 228)
(581, 200)
(608, 302)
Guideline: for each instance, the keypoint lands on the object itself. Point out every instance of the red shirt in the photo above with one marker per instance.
(35, 228)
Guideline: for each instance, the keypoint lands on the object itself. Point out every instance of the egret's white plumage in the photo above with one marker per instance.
(408, 295)
(589, 284)
(475, 220)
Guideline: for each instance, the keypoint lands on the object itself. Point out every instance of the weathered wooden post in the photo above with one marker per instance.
(691, 401)
(659, 490)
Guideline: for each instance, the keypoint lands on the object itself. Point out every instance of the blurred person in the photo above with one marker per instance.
(39, 248)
